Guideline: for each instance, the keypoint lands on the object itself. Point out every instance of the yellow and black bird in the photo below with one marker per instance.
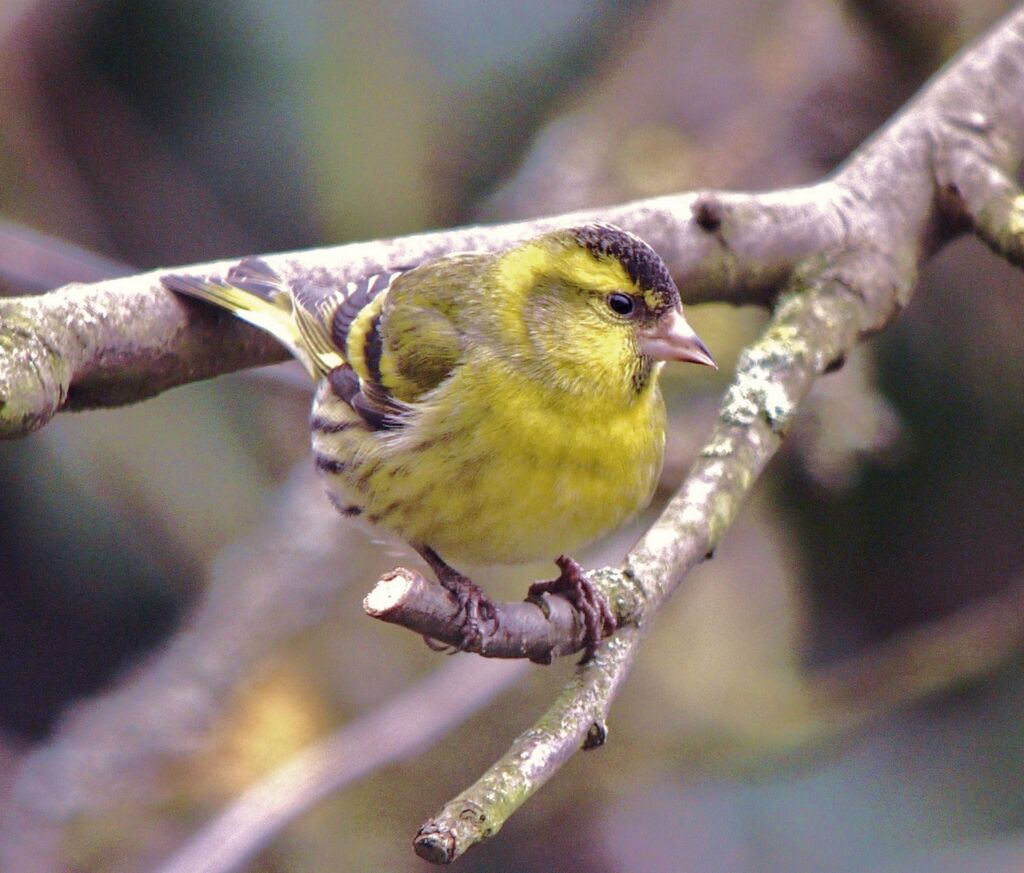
(486, 407)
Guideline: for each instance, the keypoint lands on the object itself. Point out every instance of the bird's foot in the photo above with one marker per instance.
(475, 606)
(572, 584)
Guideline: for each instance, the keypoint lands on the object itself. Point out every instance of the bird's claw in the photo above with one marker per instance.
(573, 585)
(474, 607)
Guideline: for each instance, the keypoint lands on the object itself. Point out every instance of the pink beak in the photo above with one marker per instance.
(672, 339)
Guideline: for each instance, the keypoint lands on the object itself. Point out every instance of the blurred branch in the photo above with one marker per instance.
(279, 580)
(33, 262)
(940, 654)
(401, 728)
(807, 115)
(90, 159)
(919, 30)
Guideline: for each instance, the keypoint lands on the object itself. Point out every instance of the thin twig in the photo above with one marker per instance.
(520, 629)
(577, 718)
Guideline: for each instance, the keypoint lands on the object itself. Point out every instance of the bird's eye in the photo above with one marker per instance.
(621, 304)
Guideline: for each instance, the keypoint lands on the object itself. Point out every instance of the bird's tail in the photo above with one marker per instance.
(254, 293)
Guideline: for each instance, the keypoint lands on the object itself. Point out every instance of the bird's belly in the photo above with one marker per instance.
(512, 485)
(522, 508)
(519, 485)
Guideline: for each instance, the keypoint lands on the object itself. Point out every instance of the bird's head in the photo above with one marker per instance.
(594, 309)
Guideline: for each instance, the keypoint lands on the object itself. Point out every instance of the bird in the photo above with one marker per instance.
(486, 407)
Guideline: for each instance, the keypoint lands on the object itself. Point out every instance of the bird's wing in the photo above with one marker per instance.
(421, 347)
(326, 317)
(427, 323)
(341, 329)
(312, 320)
(340, 332)
(395, 330)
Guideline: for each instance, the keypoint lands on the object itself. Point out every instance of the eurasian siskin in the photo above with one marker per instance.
(485, 407)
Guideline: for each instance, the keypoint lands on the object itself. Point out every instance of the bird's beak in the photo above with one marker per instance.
(672, 339)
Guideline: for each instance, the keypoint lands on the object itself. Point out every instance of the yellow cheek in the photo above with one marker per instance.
(595, 346)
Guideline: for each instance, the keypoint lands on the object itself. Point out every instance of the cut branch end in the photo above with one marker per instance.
(522, 630)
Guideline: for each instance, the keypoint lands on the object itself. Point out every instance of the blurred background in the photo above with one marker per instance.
(179, 607)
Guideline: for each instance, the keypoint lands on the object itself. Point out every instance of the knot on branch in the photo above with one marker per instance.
(708, 212)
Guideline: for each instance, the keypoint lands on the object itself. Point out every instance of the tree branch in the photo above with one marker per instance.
(575, 719)
(404, 597)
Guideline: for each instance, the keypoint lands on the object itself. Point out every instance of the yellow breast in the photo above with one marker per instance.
(490, 470)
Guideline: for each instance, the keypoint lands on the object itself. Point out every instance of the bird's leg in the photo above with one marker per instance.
(572, 584)
(475, 605)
